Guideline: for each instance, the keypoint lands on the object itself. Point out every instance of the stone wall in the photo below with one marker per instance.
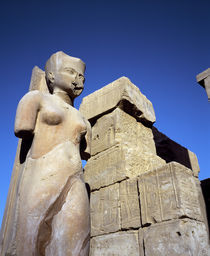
(145, 195)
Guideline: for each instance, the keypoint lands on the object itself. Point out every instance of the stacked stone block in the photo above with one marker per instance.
(142, 203)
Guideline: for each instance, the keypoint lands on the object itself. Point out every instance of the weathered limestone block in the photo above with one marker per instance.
(118, 163)
(182, 237)
(119, 127)
(129, 204)
(105, 169)
(204, 80)
(170, 151)
(169, 192)
(105, 210)
(115, 207)
(121, 147)
(120, 93)
(117, 244)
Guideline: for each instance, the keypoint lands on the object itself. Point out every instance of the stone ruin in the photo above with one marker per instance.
(145, 196)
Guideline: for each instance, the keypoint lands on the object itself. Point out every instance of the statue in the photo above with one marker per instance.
(53, 206)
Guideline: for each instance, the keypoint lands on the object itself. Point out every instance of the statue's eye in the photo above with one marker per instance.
(81, 77)
(70, 70)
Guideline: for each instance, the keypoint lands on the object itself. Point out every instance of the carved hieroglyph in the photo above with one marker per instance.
(115, 207)
(169, 192)
(121, 147)
(131, 185)
(52, 210)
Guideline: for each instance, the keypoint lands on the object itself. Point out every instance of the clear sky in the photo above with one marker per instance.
(160, 45)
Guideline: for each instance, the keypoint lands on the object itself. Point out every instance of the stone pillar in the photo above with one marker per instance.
(136, 189)
(204, 80)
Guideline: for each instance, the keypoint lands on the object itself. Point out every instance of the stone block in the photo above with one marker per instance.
(120, 93)
(204, 80)
(170, 151)
(129, 204)
(119, 127)
(115, 207)
(105, 168)
(182, 237)
(202, 76)
(169, 192)
(118, 163)
(105, 210)
(116, 244)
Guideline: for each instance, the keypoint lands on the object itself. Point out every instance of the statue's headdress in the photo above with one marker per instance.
(58, 58)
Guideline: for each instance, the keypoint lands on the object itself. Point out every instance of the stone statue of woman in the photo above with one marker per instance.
(53, 206)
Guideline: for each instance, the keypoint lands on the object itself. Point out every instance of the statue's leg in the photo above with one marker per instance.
(71, 225)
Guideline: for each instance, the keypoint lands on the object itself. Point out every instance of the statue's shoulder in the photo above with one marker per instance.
(31, 96)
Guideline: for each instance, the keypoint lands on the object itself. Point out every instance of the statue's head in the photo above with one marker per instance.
(66, 73)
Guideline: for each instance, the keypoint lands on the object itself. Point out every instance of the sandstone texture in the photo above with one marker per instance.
(140, 179)
(117, 244)
(121, 147)
(129, 204)
(115, 207)
(120, 93)
(105, 210)
(183, 237)
(169, 192)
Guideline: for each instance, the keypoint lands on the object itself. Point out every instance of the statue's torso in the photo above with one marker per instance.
(57, 122)
(54, 156)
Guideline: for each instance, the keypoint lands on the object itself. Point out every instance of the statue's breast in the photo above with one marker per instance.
(76, 124)
(51, 115)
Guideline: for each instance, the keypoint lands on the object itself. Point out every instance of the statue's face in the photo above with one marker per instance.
(69, 80)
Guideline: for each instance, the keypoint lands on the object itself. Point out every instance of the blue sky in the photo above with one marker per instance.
(160, 45)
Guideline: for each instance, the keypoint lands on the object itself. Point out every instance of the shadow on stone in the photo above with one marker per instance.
(88, 190)
(25, 147)
(169, 150)
(205, 185)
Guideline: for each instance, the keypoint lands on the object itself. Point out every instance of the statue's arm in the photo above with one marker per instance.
(26, 114)
(85, 145)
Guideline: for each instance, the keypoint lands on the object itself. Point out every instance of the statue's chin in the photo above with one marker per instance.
(77, 92)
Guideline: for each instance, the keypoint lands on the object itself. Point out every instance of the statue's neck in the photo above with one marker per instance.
(64, 96)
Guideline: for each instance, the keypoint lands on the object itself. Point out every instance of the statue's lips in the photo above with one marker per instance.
(78, 88)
